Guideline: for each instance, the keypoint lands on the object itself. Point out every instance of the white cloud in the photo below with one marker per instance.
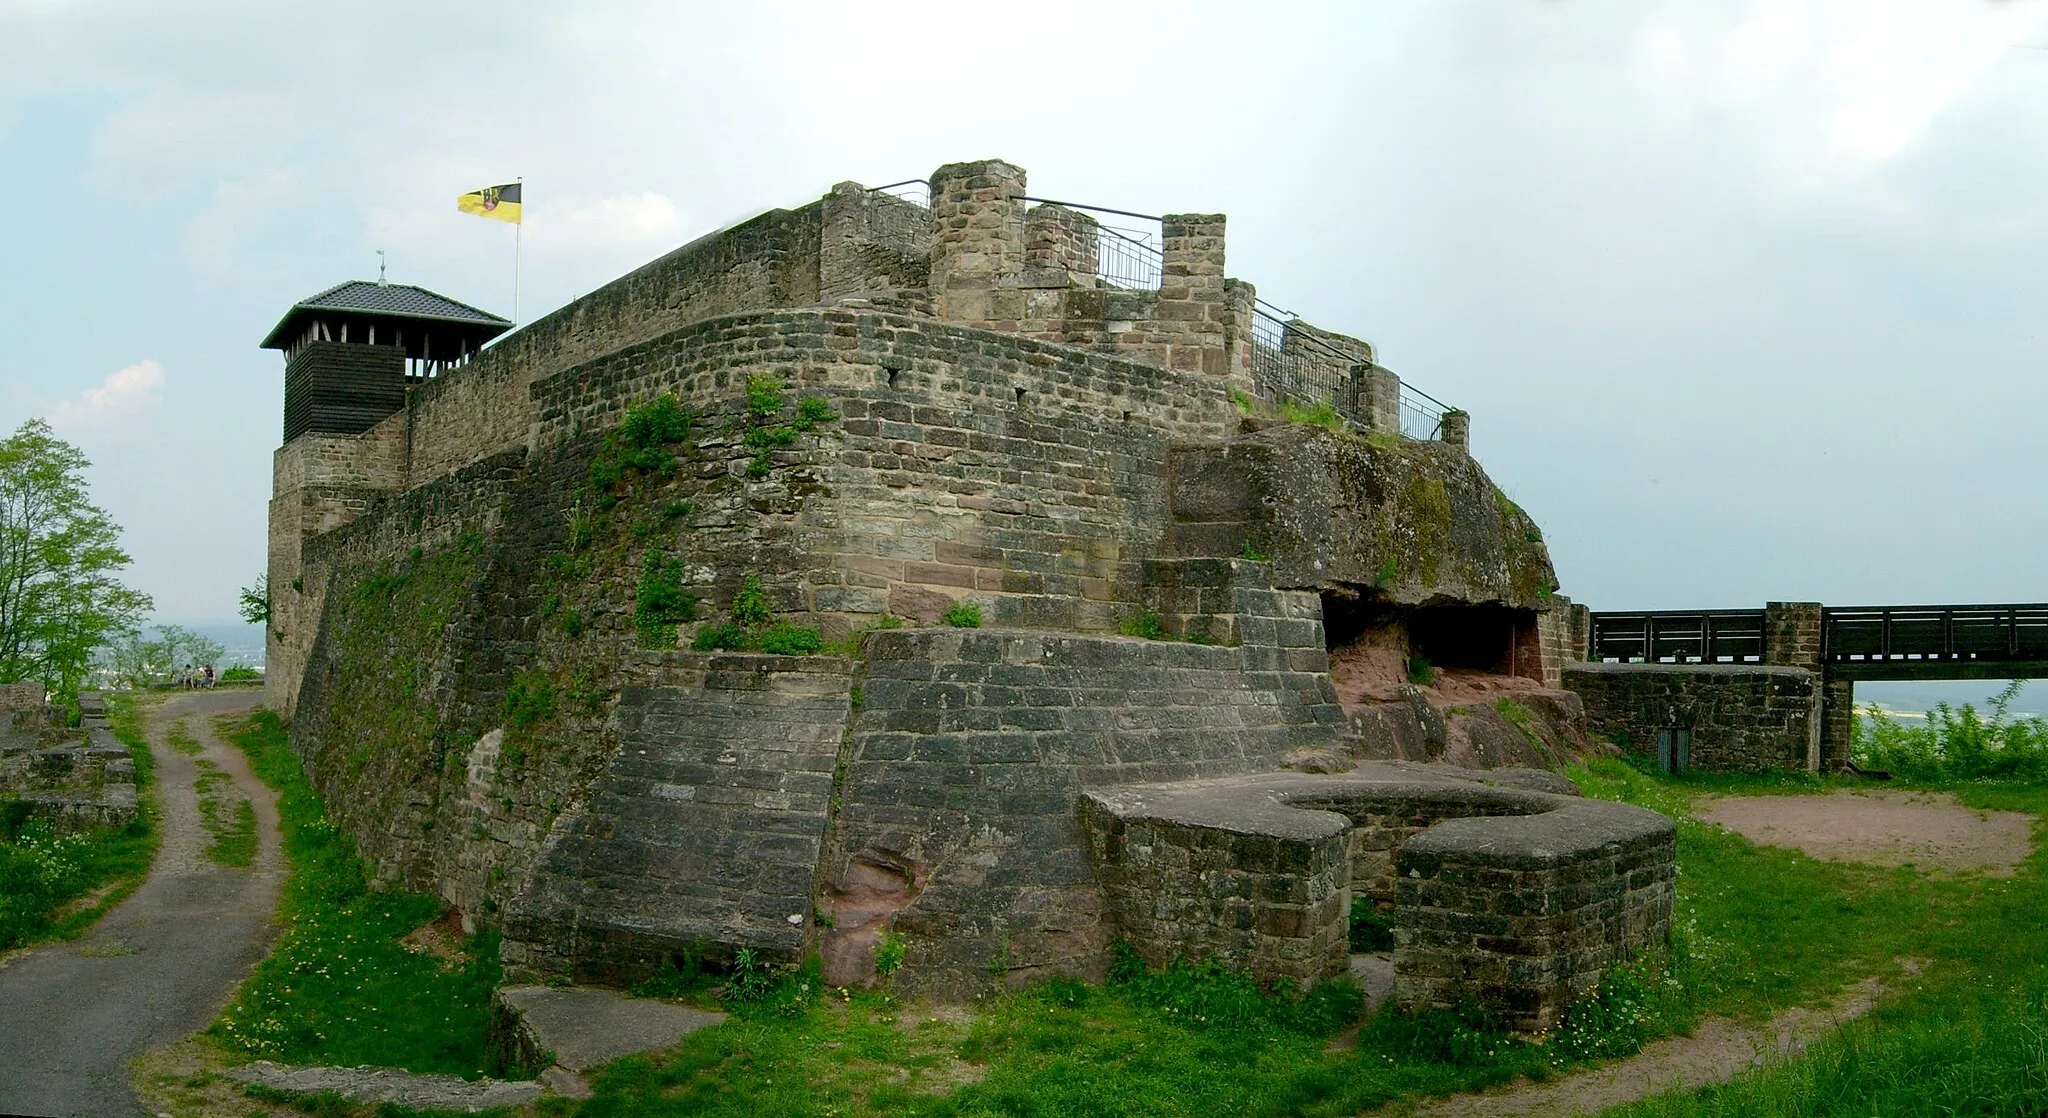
(624, 221)
(1814, 98)
(240, 207)
(125, 394)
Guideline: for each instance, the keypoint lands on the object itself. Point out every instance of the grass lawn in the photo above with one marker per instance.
(340, 987)
(58, 888)
(1757, 929)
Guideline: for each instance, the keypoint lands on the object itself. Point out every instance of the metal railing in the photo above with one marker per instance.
(1729, 636)
(1422, 415)
(1287, 364)
(917, 192)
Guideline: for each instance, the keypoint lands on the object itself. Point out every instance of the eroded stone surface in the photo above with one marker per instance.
(584, 1027)
(389, 1085)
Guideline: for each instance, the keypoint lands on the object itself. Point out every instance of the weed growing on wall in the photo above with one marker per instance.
(1144, 624)
(529, 700)
(765, 432)
(639, 446)
(753, 627)
(340, 987)
(962, 615)
(660, 603)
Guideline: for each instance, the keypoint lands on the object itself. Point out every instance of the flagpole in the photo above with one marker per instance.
(518, 231)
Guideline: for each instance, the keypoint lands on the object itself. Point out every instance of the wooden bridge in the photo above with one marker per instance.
(1856, 642)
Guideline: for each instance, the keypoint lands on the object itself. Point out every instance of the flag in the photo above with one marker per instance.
(500, 203)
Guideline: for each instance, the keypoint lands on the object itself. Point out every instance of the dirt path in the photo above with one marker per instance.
(1716, 1052)
(162, 963)
(1883, 827)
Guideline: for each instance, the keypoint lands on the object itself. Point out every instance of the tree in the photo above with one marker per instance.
(134, 661)
(256, 601)
(59, 553)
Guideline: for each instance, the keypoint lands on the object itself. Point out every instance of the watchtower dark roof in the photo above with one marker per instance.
(427, 324)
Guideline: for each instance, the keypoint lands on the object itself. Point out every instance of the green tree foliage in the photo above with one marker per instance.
(255, 602)
(137, 661)
(59, 554)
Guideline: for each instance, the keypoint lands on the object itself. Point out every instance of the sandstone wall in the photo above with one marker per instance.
(1744, 718)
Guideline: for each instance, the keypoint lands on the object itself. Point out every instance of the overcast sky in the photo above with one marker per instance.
(1744, 298)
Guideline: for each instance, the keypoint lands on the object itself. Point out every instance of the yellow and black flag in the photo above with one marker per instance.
(500, 203)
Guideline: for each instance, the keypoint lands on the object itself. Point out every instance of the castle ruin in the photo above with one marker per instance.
(1233, 582)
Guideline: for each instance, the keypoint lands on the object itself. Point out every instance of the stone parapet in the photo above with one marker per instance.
(1514, 893)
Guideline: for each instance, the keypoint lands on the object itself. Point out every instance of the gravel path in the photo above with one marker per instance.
(162, 963)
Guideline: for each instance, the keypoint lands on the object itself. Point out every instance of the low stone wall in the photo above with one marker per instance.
(1741, 717)
(1506, 893)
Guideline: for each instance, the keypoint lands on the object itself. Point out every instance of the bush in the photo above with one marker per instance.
(1956, 744)
(1370, 931)
(750, 606)
(791, 640)
(1420, 673)
(241, 673)
(530, 699)
(1145, 624)
(712, 638)
(962, 615)
(660, 603)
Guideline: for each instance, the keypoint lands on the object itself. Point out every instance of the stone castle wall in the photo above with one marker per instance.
(1743, 718)
(477, 695)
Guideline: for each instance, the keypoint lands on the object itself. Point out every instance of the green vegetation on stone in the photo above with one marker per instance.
(765, 402)
(1370, 929)
(390, 629)
(340, 987)
(753, 627)
(56, 888)
(529, 700)
(962, 615)
(660, 603)
(1420, 672)
(1144, 624)
(640, 445)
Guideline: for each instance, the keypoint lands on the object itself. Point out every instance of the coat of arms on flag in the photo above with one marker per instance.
(500, 203)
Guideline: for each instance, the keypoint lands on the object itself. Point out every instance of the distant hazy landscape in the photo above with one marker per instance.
(244, 643)
(1899, 698)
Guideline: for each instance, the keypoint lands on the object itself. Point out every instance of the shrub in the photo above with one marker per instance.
(764, 396)
(1420, 673)
(814, 409)
(889, 953)
(791, 640)
(1145, 624)
(750, 606)
(1370, 931)
(712, 638)
(660, 603)
(530, 699)
(962, 615)
(1956, 744)
(241, 673)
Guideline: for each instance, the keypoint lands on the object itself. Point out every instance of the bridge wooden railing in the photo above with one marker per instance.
(1971, 634)
(1726, 636)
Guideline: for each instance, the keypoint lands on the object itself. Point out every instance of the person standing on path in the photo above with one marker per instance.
(162, 963)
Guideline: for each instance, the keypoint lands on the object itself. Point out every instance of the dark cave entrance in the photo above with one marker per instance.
(1495, 639)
